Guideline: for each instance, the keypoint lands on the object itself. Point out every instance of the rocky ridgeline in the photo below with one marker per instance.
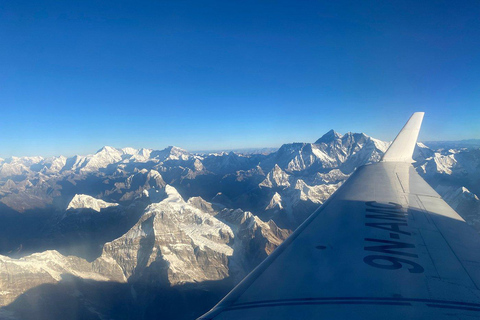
(173, 242)
(121, 215)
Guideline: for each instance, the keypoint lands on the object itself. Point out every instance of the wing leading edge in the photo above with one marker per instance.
(384, 245)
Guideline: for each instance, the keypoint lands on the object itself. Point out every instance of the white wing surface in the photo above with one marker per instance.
(384, 246)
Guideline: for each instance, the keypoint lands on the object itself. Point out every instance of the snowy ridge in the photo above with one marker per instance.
(276, 178)
(47, 267)
(240, 206)
(332, 150)
(181, 234)
(316, 194)
(83, 201)
(275, 203)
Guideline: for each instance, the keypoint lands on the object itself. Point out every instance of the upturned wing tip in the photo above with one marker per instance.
(401, 150)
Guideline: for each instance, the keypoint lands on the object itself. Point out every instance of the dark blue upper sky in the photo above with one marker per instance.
(226, 74)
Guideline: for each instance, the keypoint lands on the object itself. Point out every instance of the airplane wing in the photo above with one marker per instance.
(384, 246)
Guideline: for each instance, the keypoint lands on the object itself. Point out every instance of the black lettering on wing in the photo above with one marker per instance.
(392, 263)
(391, 246)
(386, 215)
(390, 226)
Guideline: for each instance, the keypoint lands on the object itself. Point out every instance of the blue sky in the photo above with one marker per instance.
(229, 74)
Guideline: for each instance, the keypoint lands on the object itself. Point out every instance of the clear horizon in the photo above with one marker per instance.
(232, 75)
(89, 152)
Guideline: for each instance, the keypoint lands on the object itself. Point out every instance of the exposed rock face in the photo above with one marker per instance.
(316, 194)
(176, 239)
(276, 178)
(255, 239)
(330, 151)
(240, 208)
(142, 183)
(275, 203)
(122, 175)
(191, 242)
(173, 242)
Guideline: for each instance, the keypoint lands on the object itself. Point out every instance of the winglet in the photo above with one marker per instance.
(401, 150)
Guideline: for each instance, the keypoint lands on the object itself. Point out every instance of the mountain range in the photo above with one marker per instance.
(142, 233)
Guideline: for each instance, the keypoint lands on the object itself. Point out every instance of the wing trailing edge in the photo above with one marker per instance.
(401, 150)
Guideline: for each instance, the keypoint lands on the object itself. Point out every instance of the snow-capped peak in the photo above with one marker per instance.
(276, 178)
(275, 202)
(130, 151)
(421, 145)
(170, 153)
(467, 193)
(108, 149)
(83, 201)
(329, 137)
